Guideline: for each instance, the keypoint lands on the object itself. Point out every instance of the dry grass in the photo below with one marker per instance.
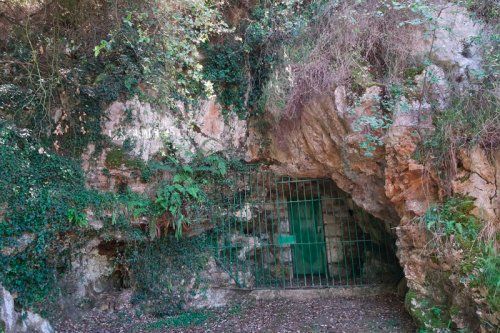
(353, 43)
(86, 22)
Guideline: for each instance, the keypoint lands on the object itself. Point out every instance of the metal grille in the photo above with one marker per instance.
(271, 231)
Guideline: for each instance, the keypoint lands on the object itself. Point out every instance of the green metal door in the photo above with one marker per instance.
(307, 227)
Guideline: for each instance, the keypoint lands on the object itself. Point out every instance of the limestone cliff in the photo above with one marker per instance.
(392, 183)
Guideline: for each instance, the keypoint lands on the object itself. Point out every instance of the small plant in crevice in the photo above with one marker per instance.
(433, 318)
(374, 124)
(181, 193)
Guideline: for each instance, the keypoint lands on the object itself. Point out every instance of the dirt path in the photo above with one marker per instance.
(383, 313)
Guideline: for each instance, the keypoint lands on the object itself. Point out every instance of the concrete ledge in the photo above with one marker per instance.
(313, 293)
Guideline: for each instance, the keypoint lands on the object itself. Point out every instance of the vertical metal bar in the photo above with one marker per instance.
(350, 247)
(340, 244)
(273, 236)
(265, 264)
(292, 229)
(344, 251)
(300, 217)
(370, 237)
(317, 224)
(262, 249)
(322, 196)
(255, 237)
(362, 275)
(357, 239)
(242, 221)
(280, 227)
(314, 246)
(282, 222)
(284, 210)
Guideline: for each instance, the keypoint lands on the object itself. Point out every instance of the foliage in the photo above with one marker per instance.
(471, 116)
(58, 80)
(117, 157)
(224, 69)
(488, 10)
(42, 198)
(183, 192)
(352, 43)
(471, 119)
(453, 218)
(456, 231)
(43, 214)
(240, 64)
(433, 318)
(164, 47)
(162, 270)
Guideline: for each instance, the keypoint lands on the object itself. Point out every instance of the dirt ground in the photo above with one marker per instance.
(383, 313)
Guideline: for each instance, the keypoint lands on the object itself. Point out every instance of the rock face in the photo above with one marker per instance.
(324, 142)
(137, 132)
(391, 184)
(12, 321)
(149, 130)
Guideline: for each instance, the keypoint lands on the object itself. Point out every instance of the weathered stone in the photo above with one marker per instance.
(21, 244)
(150, 130)
(8, 315)
(12, 321)
(392, 185)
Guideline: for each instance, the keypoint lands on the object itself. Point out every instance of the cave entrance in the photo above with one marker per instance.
(270, 231)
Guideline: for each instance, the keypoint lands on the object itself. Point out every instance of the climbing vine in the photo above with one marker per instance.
(58, 83)
(240, 64)
(42, 198)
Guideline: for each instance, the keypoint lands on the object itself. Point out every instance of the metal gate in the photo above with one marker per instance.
(272, 231)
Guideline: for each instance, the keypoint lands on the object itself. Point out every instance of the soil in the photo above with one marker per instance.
(382, 313)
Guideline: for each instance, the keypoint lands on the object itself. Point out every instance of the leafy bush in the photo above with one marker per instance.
(453, 217)
(43, 212)
(164, 46)
(181, 193)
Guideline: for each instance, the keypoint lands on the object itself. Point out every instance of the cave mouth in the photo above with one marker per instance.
(271, 231)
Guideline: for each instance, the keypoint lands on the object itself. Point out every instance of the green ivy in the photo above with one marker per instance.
(42, 198)
(59, 89)
(162, 268)
(240, 64)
